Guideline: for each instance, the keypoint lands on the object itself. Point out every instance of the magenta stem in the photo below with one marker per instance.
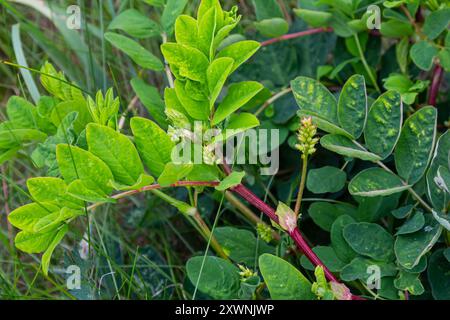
(295, 35)
(438, 72)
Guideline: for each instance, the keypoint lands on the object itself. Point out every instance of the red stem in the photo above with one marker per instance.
(438, 73)
(295, 35)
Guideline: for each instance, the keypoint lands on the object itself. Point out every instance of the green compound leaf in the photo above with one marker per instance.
(384, 123)
(231, 180)
(410, 248)
(174, 172)
(216, 75)
(327, 255)
(21, 113)
(80, 190)
(371, 240)
(438, 275)
(410, 282)
(314, 18)
(438, 197)
(198, 110)
(149, 138)
(346, 147)
(283, 280)
(135, 24)
(26, 217)
(171, 11)
(54, 190)
(242, 121)
(117, 151)
(186, 31)
(314, 99)
(415, 145)
(339, 244)
(240, 52)
(326, 179)
(241, 245)
(49, 251)
(324, 213)
(436, 22)
(12, 137)
(422, 53)
(358, 269)
(31, 242)
(217, 277)
(190, 62)
(272, 28)
(352, 106)
(76, 163)
(374, 182)
(151, 99)
(135, 51)
(238, 95)
(413, 224)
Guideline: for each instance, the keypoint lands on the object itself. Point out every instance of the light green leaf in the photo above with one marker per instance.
(401, 52)
(374, 182)
(198, 110)
(63, 109)
(80, 190)
(231, 180)
(396, 29)
(149, 138)
(384, 123)
(409, 248)
(325, 179)
(242, 121)
(55, 219)
(135, 24)
(31, 242)
(21, 113)
(186, 31)
(241, 245)
(206, 29)
(238, 95)
(352, 106)
(189, 62)
(438, 197)
(371, 240)
(436, 22)
(75, 163)
(273, 27)
(216, 75)
(344, 146)
(49, 251)
(415, 145)
(171, 11)
(240, 52)
(422, 53)
(283, 280)
(135, 51)
(265, 9)
(8, 154)
(117, 151)
(49, 189)
(27, 216)
(142, 181)
(314, 18)
(216, 277)
(151, 99)
(12, 137)
(173, 172)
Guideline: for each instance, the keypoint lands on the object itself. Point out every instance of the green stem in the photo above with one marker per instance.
(366, 65)
(302, 184)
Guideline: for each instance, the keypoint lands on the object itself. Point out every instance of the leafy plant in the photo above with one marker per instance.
(370, 169)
